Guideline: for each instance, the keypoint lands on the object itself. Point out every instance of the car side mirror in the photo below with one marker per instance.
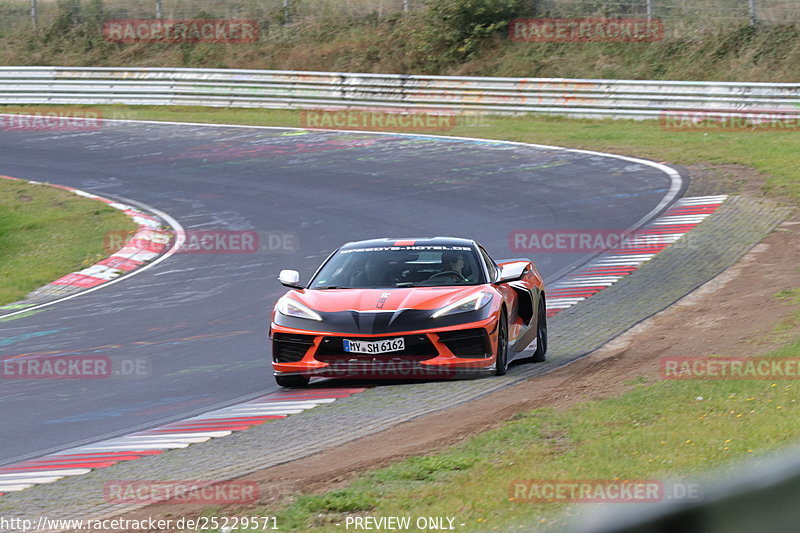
(290, 278)
(511, 272)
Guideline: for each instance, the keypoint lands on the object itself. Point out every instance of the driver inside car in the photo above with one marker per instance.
(453, 262)
(374, 273)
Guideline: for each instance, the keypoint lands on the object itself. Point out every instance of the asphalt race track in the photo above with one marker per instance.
(197, 322)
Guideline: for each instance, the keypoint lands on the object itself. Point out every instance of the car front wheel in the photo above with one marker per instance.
(539, 356)
(501, 364)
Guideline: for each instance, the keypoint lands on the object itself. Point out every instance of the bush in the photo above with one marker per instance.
(455, 29)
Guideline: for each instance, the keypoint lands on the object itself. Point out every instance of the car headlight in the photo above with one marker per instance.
(470, 303)
(291, 307)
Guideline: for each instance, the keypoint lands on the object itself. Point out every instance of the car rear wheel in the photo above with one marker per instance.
(501, 364)
(539, 356)
(292, 382)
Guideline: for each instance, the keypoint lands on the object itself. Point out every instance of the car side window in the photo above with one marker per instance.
(489, 265)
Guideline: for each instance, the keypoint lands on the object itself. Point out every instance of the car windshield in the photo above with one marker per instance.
(387, 267)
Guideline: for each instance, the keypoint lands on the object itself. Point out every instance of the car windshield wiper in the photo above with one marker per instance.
(405, 284)
(326, 287)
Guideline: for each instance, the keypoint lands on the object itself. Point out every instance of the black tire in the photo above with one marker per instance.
(292, 382)
(501, 365)
(540, 355)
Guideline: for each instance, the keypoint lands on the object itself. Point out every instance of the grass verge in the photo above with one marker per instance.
(46, 233)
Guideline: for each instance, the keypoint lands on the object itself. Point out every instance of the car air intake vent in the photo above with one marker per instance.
(467, 343)
(418, 347)
(290, 348)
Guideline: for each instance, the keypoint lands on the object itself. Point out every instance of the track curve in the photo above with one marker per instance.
(199, 321)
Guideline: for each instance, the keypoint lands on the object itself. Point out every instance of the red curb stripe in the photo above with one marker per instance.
(222, 422)
(681, 229)
(60, 187)
(51, 467)
(597, 287)
(610, 269)
(217, 421)
(576, 288)
(55, 459)
(99, 455)
(600, 274)
(703, 211)
(295, 399)
(72, 464)
(570, 288)
(167, 432)
(121, 263)
(698, 207)
(79, 280)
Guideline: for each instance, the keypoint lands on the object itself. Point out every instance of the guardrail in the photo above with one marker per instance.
(330, 90)
(760, 495)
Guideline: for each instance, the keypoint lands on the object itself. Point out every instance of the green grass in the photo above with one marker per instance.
(784, 329)
(46, 233)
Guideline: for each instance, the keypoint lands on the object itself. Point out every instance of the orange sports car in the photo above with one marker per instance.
(408, 309)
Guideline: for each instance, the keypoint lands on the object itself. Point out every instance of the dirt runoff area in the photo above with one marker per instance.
(733, 314)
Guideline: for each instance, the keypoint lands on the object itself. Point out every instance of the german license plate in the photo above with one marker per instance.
(375, 347)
